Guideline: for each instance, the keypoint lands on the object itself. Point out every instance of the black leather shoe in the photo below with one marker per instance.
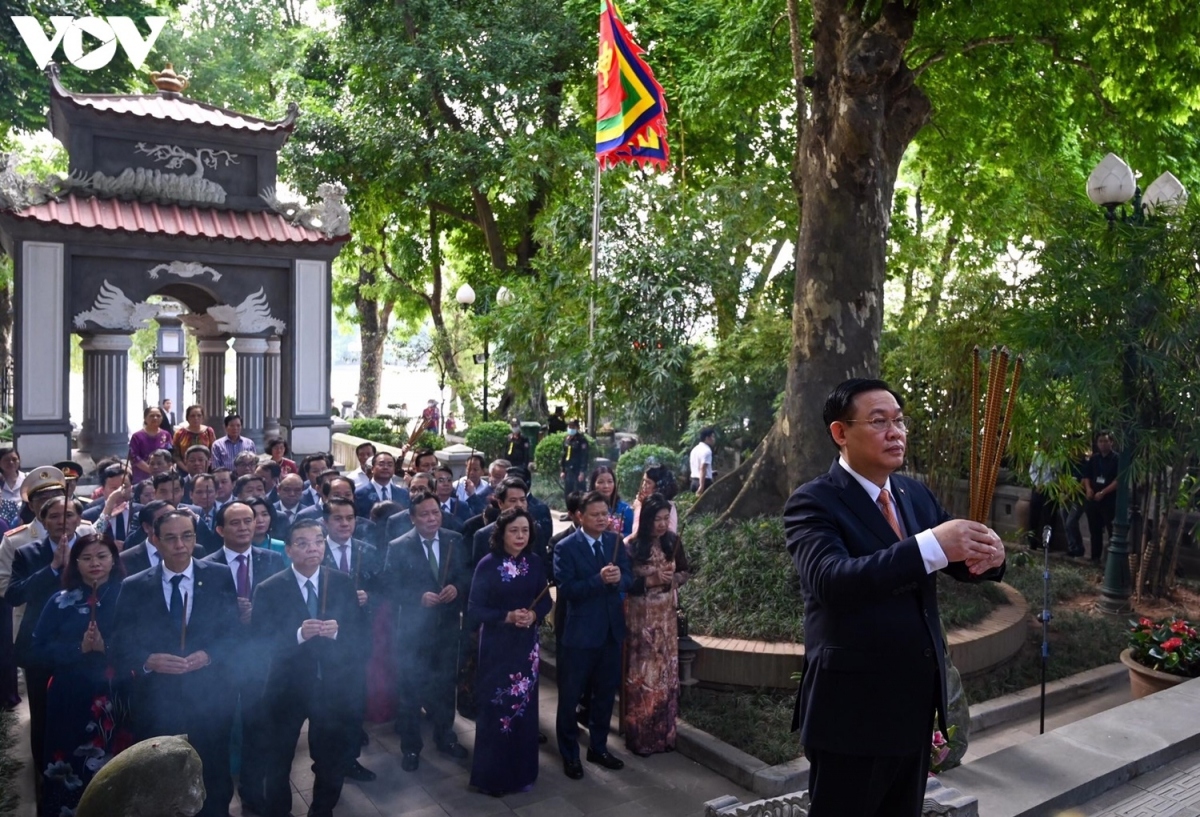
(606, 760)
(361, 773)
(410, 761)
(454, 750)
(573, 769)
(253, 806)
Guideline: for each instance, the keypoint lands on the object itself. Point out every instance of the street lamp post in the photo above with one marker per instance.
(1112, 184)
(466, 299)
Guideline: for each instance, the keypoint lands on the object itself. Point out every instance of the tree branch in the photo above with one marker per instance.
(453, 213)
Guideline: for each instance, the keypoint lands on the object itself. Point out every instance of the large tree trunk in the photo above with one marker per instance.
(372, 332)
(864, 111)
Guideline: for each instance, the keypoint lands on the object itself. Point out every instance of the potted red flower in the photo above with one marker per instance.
(1161, 654)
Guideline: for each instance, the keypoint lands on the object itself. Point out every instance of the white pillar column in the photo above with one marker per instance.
(212, 381)
(41, 361)
(271, 421)
(105, 395)
(251, 386)
(307, 390)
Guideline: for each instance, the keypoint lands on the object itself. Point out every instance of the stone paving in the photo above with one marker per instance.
(667, 785)
(1172, 791)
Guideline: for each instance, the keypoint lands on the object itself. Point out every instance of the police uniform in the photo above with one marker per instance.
(574, 463)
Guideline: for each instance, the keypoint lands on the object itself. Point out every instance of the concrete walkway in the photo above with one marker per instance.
(667, 785)
(1172, 791)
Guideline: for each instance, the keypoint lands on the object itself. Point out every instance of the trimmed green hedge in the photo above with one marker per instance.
(636, 460)
(489, 438)
(375, 429)
(548, 451)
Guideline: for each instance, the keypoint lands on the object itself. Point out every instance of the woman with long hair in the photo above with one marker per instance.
(620, 516)
(651, 690)
(149, 438)
(506, 596)
(194, 432)
(71, 643)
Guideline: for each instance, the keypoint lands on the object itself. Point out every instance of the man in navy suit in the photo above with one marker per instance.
(592, 572)
(289, 489)
(175, 632)
(120, 526)
(867, 544)
(143, 556)
(426, 573)
(312, 467)
(316, 637)
(204, 493)
(249, 566)
(380, 488)
(443, 486)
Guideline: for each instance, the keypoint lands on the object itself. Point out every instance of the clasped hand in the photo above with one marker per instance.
(972, 542)
(610, 574)
(314, 627)
(168, 664)
(448, 594)
(521, 618)
(92, 640)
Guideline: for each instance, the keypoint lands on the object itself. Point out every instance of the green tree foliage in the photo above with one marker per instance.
(636, 460)
(550, 449)
(489, 438)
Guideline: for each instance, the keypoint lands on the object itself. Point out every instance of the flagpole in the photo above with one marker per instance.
(591, 403)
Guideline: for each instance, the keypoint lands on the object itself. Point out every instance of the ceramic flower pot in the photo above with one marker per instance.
(1144, 681)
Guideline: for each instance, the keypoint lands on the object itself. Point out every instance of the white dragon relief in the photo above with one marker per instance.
(250, 316)
(185, 269)
(112, 310)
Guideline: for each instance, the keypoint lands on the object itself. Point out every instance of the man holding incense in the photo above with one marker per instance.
(309, 617)
(867, 544)
(175, 633)
(427, 571)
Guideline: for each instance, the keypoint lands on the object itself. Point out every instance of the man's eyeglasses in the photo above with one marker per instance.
(881, 424)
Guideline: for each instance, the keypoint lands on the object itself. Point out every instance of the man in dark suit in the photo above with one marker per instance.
(400, 523)
(452, 506)
(289, 489)
(592, 572)
(380, 488)
(541, 514)
(119, 526)
(360, 559)
(176, 627)
(867, 544)
(36, 576)
(317, 635)
(204, 493)
(426, 572)
(312, 467)
(249, 566)
(143, 556)
(512, 492)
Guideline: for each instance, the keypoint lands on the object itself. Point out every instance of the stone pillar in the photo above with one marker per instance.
(274, 370)
(306, 384)
(41, 354)
(105, 395)
(212, 381)
(170, 351)
(251, 386)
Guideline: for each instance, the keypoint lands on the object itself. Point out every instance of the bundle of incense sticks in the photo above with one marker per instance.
(990, 431)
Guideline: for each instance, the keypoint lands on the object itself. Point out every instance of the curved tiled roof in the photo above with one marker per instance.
(115, 215)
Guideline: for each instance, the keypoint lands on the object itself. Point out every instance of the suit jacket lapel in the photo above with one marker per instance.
(855, 497)
(907, 514)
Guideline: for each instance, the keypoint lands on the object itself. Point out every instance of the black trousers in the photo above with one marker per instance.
(429, 680)
(331, 733)
(856, 786)
(1100, 517)
(579, 668)
(255, 743)
(36, 681)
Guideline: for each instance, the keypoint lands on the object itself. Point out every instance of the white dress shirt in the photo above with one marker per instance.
(437, 549)
(155, 558)
(301, 579)
(931, 551)
(12, 491)
(359, 476)
(186, 586)
(231, 556)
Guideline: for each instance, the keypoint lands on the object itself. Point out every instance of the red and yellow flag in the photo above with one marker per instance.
(631, 121)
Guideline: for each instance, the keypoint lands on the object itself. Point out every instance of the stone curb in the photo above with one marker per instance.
(1027, 702)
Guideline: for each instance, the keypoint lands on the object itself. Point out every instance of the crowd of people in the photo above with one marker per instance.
(207, 590)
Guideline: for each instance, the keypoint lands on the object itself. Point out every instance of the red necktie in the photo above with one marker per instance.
(885, 505)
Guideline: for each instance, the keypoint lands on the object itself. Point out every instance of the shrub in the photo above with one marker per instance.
(636, 460)
(743, 583)
(374, 429)
(545, 456)
(489, 438)
(428, 440)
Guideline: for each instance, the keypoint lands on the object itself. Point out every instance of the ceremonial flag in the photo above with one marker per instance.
(631, 121)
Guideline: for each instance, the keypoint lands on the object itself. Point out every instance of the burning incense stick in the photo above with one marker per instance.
(540, 596)
(183, 628)
(446, 563)
(990, 438)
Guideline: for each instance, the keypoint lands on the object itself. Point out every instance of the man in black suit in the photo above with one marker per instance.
(592, 572)
(204, 493)
(427, 574)
(143, 556)
(223, 481)
(119, 526)
(452, 506)
(36, 576)
(361, 560)
(249, 566)
(176, 627)
(867, 544)
(400, 523)
(310, 617)
(380, 488)
(269, 472)
(289, 489)
(196, 461)
(312, 467)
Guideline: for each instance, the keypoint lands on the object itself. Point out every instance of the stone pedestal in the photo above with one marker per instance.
(105, 395)
(170, 353)
(251, 386)
(273, 403)
(212, 381)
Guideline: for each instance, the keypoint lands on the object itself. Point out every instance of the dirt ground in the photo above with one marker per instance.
(1181, 600)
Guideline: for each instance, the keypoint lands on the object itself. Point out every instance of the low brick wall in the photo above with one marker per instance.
(975, 649)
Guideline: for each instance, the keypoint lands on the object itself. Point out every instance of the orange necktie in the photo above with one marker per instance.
(885, 505)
